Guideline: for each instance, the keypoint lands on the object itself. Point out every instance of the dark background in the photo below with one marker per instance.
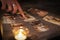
(48, 5)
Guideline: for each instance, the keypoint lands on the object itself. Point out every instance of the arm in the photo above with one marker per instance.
(13, 6)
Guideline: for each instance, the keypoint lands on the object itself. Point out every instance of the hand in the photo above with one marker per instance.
(13, 6)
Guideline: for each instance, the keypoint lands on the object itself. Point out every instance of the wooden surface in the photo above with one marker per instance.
(53, 29)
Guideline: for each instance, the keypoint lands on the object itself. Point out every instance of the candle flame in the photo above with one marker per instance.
(20, 34)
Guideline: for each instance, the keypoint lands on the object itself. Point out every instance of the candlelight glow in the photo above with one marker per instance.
(20, 34)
